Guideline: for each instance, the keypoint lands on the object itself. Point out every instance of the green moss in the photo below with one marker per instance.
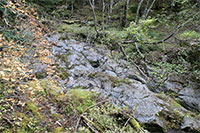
(48, 85)
(3, 87)
(172, 102)
(81, 99)
(64, 37)
(56, 116)
(109, 118)
(41, 75)
(21, 131)
(32, 84)
(77, 30)
(63, 58)
(57, 94)
(176, 104)
(172, 118)
(58, 130)
(33, 108)
(27, 124)
(61, 12)
(117, 81)
(135, 124)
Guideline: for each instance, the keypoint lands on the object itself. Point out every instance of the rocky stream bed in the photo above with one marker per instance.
(91, 67)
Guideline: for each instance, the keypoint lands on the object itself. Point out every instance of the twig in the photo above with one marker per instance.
(77, 124)
(126, 56)
(57, 122)
(82, 116)
(92, 123)
(91, 127)
(136, 46)
(7, 120)
(127, 122)
(95, 105)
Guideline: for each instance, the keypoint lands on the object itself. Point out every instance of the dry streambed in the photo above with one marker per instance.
(92, 68)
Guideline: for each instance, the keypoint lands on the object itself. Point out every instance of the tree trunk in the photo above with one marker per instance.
(109, 13)
(124, 20)
(146, 9)
(147, 13)
(94, 16)
(72, 7)
(138, 10)
(103, 10)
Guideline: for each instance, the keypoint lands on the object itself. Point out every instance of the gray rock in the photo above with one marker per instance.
(190, 98)
(39, 70)
(124, 86)
(172, 86)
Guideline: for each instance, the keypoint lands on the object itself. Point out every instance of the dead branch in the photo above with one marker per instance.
(7, 120)
(89, 122)
(84, 117)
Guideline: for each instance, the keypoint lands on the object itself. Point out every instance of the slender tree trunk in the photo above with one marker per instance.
(138, 10)
(124, 20)
(94, 16)
(146, 8)
(72, 7)
(103, 10)
(110, 13)
(147, 13)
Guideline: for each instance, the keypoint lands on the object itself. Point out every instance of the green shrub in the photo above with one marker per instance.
(114, 36)
(141, 32)
(85, 32)
(190, 34)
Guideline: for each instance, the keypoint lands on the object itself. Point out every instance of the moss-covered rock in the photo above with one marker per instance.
(117, 81)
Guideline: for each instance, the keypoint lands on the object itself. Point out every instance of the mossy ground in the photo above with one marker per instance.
(44, 107)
